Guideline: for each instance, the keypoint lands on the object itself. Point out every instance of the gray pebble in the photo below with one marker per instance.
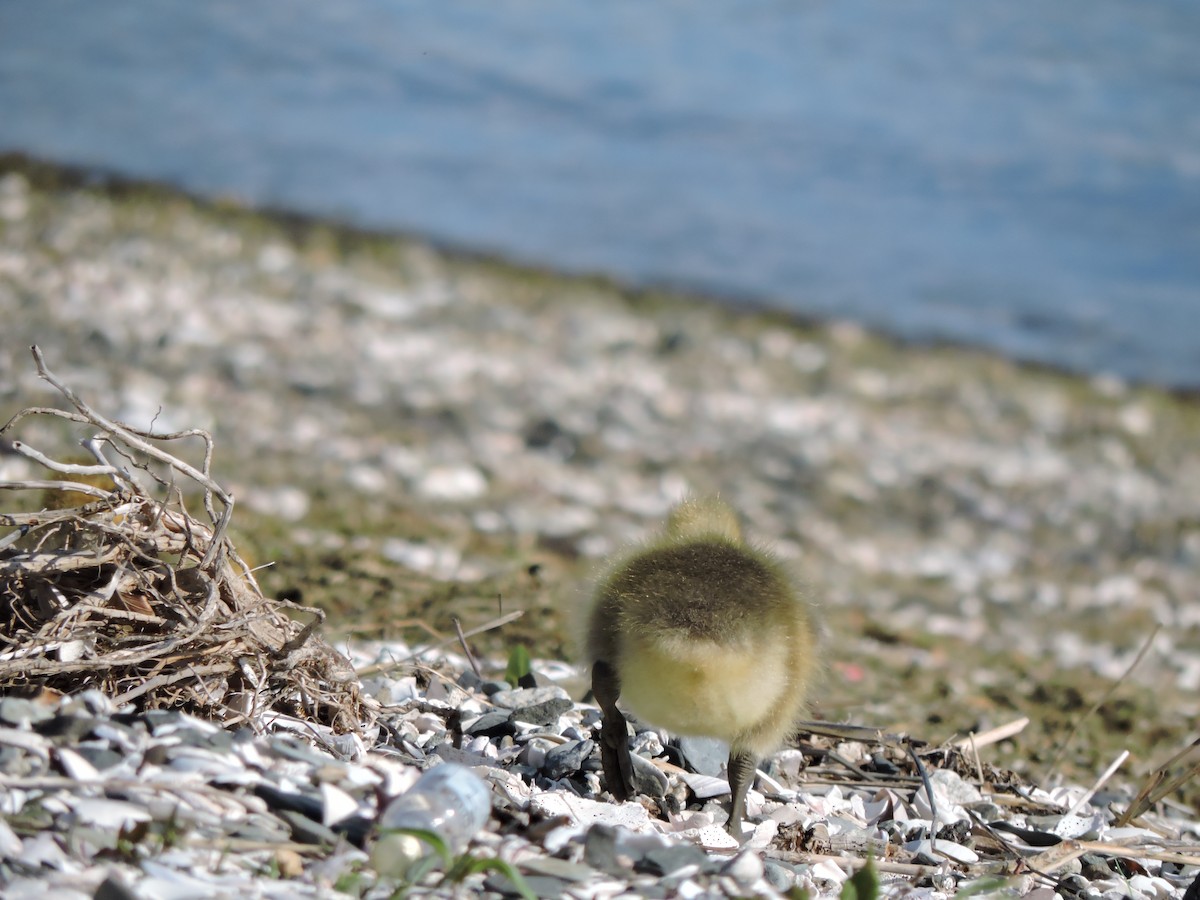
(705, 755)
(665, 861)
(306, 831)
(600, 851)
(1093, 866)
(648, 779)
(520, 697)
(470, 681)
(780, 877)
(745, 868)
(18, 711)
(566, 758)
(492, 724)
(535, 706)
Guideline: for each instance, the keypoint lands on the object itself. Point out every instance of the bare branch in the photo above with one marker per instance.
(131, 594)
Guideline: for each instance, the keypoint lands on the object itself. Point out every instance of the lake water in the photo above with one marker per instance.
(1021, 176)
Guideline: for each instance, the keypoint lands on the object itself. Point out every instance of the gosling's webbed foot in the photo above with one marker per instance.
(614, 732)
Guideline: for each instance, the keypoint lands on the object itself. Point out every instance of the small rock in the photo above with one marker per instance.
(536, 706)
(567, 758)
(1093, 866)
(452, 483)
(745, 868)
(671, 860)
(705, 755)
(779, 876)
(492, 724)
(648, 779)
(19, 711)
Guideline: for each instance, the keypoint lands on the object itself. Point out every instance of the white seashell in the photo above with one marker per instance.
(70, 651)
(43, 850)
(76, 766)
(336, 805)
(11, 846)
(1077, 826)
(764, 832)
(197, 760)
(511, 786)
(104, 813)
(582, 811)
(356, 776)
(710, 837)
(704, 786)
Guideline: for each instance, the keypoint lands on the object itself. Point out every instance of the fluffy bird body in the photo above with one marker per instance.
(701, 634)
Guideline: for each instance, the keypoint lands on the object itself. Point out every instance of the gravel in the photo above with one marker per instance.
(986, 540)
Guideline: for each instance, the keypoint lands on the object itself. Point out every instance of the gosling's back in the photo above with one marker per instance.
(706, 633)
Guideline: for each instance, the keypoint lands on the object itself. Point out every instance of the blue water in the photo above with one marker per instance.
(1022, 176)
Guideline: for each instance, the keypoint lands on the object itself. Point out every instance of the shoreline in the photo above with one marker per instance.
(52, 175)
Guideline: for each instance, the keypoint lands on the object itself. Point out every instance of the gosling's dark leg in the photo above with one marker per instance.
(740, 769)
(614, 733)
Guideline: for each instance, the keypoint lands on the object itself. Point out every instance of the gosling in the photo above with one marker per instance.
(703, 635)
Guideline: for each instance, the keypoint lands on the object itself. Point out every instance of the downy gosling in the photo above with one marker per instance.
(700, 634)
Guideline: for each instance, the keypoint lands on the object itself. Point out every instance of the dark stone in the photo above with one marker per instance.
(470, 681)
(309, 805)
(158, 719)
(495, 687)
(567, 758)
(664, 861)
(1093, 867)
(355, 828)
(541, 885)
(70, 728)
(881, 764)
(547, 434)
(956, 833)
(492, 724)
(113, 888)
(1075, 885)
(545, 712)
(1193, 889)
(306, 830)
(525, 773)
(648, 779)
(600, 851)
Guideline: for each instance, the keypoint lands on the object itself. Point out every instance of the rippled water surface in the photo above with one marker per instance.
(1021, 176)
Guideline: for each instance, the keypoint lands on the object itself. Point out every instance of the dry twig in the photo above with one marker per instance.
(130, 594)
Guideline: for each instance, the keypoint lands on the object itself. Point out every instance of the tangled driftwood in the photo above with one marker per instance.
(108, 581)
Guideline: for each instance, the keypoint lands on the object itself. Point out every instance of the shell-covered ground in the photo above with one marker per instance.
(415, 436)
